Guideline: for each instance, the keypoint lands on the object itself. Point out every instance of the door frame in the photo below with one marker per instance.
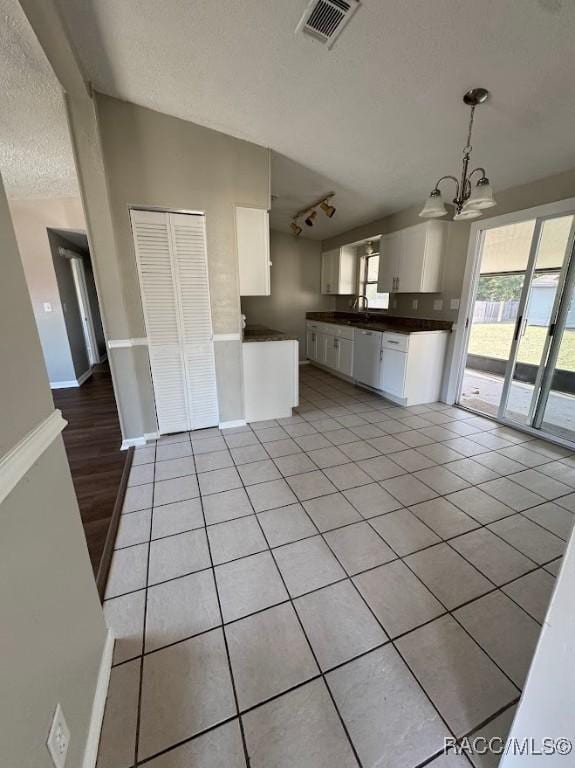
(462, 327)
(79, 277)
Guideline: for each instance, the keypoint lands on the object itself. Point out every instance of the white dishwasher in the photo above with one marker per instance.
(367, 357)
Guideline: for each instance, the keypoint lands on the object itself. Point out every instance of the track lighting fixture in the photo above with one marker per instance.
(297, 230)
(311, 218)
(328, 209)
(309, 213)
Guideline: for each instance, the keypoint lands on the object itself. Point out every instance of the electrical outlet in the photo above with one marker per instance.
(438, 304)
(47, 306)
(454, 304)
(58, 739)
(414, 303)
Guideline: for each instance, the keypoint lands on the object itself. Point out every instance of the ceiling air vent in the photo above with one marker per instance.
(325, 19)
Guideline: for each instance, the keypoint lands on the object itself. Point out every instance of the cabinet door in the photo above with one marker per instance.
(389, 260)
(412, 262)
(345, 357)
(331, 352)
(329, 271)
(253, 244)
(311, 344)
(394, 367)
(321, 347)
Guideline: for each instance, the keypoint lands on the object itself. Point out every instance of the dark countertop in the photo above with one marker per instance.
(374, 322)
(262, 333)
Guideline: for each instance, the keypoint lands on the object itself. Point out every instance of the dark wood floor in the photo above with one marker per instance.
(93, 439)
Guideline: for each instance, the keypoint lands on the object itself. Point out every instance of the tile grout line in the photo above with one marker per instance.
(291, 602)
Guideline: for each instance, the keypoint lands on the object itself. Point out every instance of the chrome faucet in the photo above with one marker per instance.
(355, 304)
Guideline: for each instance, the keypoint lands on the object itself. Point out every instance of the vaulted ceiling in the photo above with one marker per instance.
(378, 117)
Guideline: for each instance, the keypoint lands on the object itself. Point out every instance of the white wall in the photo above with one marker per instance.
(53, 631)
(31, 219)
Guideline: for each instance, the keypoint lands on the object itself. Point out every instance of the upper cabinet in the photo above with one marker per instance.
(338, 271)
(253, 244)
(410, 260)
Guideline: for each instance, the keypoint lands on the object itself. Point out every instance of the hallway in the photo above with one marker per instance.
(345, 587)
(93, 440)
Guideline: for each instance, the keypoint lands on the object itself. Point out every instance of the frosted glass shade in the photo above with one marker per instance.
(434, 206)
(467, 213)
(481, 196)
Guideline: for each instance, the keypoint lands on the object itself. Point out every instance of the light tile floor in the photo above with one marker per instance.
(344, 587)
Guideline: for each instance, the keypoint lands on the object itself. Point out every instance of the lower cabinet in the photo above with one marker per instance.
(327, 345)
(406, 368)
(344, 361)
(394, 368)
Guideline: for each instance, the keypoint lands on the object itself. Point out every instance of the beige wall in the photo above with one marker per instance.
(32, 218)
(295, 287)
(53, 630)
(153, 160)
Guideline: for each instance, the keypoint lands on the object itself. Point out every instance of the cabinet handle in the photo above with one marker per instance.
(397, 286)
(390, 341)
(380, 355)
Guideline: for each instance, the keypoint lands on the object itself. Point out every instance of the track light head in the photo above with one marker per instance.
(297, 230)
(311, 218)
(328, 209)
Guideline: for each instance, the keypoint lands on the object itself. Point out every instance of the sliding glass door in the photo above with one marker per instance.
(520, 364)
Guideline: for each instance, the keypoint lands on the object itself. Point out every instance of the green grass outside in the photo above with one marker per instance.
(494, 340)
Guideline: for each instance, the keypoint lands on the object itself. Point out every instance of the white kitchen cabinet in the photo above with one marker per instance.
(311, 343)
(338, 271)
(321, 348)
(411, 259)
(253, 246)
(331, 352)
(344, 359)
(389, 262)
(393, 370)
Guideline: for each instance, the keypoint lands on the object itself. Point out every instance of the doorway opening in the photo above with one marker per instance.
(520, 354)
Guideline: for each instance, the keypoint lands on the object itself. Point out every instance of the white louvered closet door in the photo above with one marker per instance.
(174, 305)
(191, 270)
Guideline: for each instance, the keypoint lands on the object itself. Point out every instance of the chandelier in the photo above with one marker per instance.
(469, 200)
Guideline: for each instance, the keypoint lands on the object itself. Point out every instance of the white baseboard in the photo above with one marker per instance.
(72, 382)
(84, 376)
(230, 424)
(99, 704)
(304, 362)
(138, 442)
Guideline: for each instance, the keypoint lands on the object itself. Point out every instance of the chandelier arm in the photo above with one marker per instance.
(453, 178)
(478, 170)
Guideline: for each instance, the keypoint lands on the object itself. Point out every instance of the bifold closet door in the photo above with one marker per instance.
(191, 271)
(172, 266)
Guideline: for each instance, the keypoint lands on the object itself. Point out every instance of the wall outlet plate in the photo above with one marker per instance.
(47, 306)
(414, 303)
(438, 304)
(454, 304)
(58, 739)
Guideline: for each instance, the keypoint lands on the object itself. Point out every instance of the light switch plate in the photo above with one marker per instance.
(438, 304)
(47, 306)
(454, 304)
(58, 739)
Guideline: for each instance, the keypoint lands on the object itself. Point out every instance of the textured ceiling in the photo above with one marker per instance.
(35, 153)
(378, 117)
